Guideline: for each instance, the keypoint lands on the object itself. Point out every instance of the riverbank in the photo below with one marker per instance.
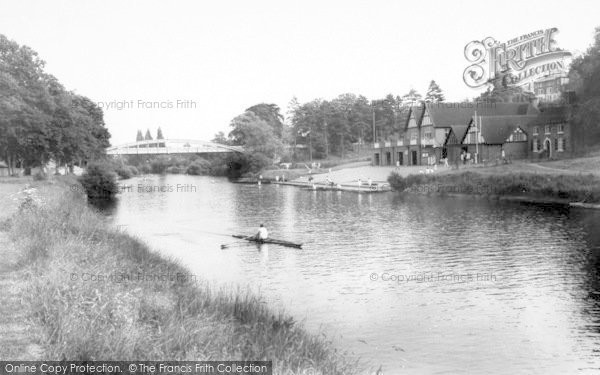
(525, 187)
(94, 292)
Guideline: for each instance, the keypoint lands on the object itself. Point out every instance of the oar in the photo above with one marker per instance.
(224, 246)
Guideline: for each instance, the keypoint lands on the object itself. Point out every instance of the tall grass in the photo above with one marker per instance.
(573, 188)
(123, 318)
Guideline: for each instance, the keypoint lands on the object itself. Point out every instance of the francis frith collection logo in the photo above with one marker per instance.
(521, 60)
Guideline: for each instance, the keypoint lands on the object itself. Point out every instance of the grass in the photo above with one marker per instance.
(63, 244)
(568, 188)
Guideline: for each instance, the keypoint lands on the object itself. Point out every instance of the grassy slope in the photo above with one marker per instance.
(178, 319)
(568, 188)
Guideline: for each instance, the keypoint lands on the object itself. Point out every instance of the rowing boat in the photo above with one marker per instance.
(268, 240)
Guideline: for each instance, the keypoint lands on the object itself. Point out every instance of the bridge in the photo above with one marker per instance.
(171, 146)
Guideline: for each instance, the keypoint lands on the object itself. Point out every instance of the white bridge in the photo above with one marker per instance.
(171, 146)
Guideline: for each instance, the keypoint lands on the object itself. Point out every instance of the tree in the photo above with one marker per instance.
(139, 136)
(261, 144)
(387, 116)
(412, 98)
(255, 135)
(270, 113)
(39, 119)
(220, 139)
(434, 93)
(148, 136)
(584, 79)
(503, 90)
(159, 134)
(26, 106)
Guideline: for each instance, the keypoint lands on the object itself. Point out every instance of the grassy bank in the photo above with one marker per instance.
(97, 293)
(568, 188)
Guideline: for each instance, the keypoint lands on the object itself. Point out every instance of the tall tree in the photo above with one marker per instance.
(25, 106)
(139, 136)
(434, 93)
(270, 113)
(502, 89)
(255, 135)
(584, 79)
(159, 134)
(148, 136)
(412, 98)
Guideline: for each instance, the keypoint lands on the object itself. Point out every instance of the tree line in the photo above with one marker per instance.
(322, 127)
(40, 120)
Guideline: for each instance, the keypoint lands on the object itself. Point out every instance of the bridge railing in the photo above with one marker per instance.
(179, 146)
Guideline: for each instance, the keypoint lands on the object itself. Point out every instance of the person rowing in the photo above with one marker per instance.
(262, 234)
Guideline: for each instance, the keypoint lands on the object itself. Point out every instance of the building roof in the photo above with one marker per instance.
(553, 115)
(417, 110)
(495, 130)
(459, 131)
(444, 115)
(505, 109)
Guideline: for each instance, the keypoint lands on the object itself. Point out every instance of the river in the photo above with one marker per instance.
(419, 285)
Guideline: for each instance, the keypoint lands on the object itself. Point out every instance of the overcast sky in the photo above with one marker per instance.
(226, 56)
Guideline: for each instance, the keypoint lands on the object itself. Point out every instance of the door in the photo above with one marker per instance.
(376, 159)
(401, 158)
(388, 158)
(413, 157)
(548, 148)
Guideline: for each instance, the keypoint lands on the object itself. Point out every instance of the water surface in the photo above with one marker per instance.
(462, 285)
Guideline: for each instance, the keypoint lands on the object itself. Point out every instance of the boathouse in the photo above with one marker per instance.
(551, 134)
(403, 149)
(434, 131)
(487, 136)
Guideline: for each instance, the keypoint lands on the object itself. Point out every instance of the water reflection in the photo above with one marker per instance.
(482, 287)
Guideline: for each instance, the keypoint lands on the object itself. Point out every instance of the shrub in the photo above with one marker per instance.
(174, 170)
(198, 167)
(99, 182)
(123, 172)
(133, 170)
(40, 176)
(575, 188)
(159, 166)
(397, 182)
(145, 169)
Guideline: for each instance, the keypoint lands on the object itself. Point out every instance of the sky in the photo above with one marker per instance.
(191, 66)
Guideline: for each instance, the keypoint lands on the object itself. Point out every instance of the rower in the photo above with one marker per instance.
(262, 234)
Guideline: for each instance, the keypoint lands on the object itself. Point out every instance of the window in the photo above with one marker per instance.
(517, 136)
(428, 135)
(547, 129)
(534, 145)
(413, 136)
(561, 128)
(556, 144)
(561, 144)
(536, 130)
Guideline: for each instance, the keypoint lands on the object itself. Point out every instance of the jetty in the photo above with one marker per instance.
(376, 187)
